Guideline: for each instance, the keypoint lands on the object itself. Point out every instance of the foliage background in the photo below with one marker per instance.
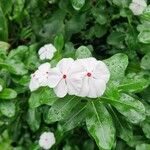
(106, 28)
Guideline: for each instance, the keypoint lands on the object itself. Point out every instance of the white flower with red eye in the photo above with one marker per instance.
(66, 77)
(47, 140)
(138, 6)
(1, 88)
(47, 52)
(40, 77)
(96, 75)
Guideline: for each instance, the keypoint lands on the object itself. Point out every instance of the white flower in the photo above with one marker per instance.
(1, 88)
(47, 140)
(40, 77)
(66, 77)
(138, 6)
(47, 52)
(96, 75)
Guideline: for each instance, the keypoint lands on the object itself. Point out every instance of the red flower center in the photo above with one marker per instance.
(89, 74)
(64, 76)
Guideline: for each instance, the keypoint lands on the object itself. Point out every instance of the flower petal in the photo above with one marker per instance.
(85, 88)
(74, 86)
(88, 63)
(50, 47)
(42, 56)
(61, 89)
(101, 72)
(44, 67)
(54, 77)
(41, 50)
(34, 84)
(97, 88)
(65, 64)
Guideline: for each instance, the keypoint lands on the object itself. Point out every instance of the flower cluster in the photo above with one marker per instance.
(82, 77)
(138, 6)
(47, 140)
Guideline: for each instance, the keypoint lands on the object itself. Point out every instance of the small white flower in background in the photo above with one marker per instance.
(47, 140)
(47, 52)
(96, 75)
(1, 88)
(66, 77)
(138, 6)
(40, 77)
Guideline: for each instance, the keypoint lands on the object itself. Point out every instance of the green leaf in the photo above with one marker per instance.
(124, 128)
(59, 42)
(143, 147)
(100, 125)
(75, 118)
(23, 80)
(131, 108)
(75, 25)
(53, 26)
(145, 62)
(78, 4)
(42, 96)
(19, 53)
(69, 50)
(14, 66)
(8, 94)
(32, 60)
(3, 27)
(144, 37)
(145, 16)
(6, 6)
(100, 15)
(61, 108)
(133, 83)
(122, 3)
(4, 45)
(146, 127)
(7, 108)
(117, 65)
(18, 10)
(116, 39)
(83, 52)
(34, 119)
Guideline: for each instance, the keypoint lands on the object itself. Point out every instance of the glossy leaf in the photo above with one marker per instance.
(117, 65)
(59, 42)
(124, 128)
(144, 37)
(15, 67)
(146, 127)
(75, 118)
(77, 4)
(4, 45)
(131, 108)
(134, 83)
(145, 62)
(42, 96)
(8, 94)
(83, 52)
(61, 109)
(100, 125)
(34, 119)
(7, 108)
